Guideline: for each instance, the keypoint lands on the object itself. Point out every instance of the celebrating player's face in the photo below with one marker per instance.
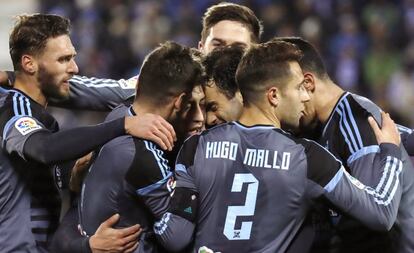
(309, 119)
(192, 117)
(225, 33)
(220, 108)
(56, 66)
(293, 96)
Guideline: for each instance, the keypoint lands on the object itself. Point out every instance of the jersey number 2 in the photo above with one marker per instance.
(246, 210)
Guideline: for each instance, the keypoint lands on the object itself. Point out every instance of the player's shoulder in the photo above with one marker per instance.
(307, 145)
(15, 105)
(353, 105)
(120, 147)
(118, 112)
(147, 152)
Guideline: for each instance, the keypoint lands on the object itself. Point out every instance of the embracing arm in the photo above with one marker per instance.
(99, 94)
(48, 148)
(68, 239)
(87, 93)
(407, 139)
(375, 206)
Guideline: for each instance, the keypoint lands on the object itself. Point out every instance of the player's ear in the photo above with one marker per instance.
(200, 46)
(309, 83)
(179, 100)
(239, 96)
(29, 64)
(273, 96)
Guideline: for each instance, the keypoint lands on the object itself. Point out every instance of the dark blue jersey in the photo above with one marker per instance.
(249, 189)
(90, 93)
(129, 176)
(348, 135)
(29, 199)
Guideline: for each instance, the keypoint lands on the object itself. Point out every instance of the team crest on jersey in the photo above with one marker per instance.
(26, 125)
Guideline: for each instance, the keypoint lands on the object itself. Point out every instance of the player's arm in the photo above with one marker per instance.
(149, 177)
(358, 147)
(90, 93)
(375, 207)
(78, 172)
(68, 239)
(407, 139)
(6, 80)
(30, 139)
(87, 93)
(176, 228)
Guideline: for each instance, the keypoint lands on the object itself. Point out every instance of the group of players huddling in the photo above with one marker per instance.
(152, 179)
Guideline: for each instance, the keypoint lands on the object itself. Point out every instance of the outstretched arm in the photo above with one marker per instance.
(98, 94)
(28, 137)
(87, 93)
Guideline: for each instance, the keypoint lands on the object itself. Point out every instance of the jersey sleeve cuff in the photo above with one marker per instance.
(389, 149)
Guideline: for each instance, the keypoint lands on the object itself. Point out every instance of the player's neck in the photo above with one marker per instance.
(327, 97)
(30, 86)
(141, 107)
(254, 115)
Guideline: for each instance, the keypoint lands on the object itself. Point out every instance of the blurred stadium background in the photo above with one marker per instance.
(368, 45)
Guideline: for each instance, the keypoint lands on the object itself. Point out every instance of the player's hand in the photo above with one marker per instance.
(388, 133)
(4, 79)
(151, 127)
(78, 172)
(110, 240)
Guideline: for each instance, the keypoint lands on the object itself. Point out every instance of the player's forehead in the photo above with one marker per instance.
(215, 95)
(59, 47)
(295, 78)
(197, 94)
(296, 70)
(230, 32)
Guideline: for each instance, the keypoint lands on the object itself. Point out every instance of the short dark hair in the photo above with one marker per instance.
(199, 58)
(221, 65)
(232, 12)
(264, 65)
(167, 71)
(311, 60)
(31, 32)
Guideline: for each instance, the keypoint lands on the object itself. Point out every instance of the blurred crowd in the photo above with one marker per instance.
(368, 45)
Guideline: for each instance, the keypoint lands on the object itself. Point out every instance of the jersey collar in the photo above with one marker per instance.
(131, 111)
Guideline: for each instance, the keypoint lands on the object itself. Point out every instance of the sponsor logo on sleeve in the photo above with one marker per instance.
(130, 83)
(26, 125)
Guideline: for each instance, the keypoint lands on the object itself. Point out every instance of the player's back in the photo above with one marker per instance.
(104, 192)
(107, 189)
(252, 188)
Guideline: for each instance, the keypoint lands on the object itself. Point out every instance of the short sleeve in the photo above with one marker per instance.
(16, 132)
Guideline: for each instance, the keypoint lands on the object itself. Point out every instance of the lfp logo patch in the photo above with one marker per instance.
(26, 125)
